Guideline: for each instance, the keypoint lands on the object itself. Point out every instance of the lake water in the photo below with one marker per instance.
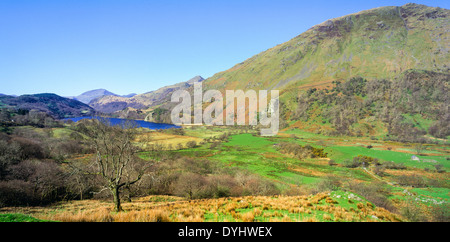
(139, 123)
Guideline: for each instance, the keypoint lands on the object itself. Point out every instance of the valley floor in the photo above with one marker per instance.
(312, 189)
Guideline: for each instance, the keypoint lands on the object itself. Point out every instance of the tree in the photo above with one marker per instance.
(420, 148)
(115, 160)
(190, 185)
(10, 154)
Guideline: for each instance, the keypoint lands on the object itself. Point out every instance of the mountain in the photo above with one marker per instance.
(336, 67)
(88, 96)
(130, 95)
(111, 104)
(315, 71)
(52, 104)
(377, 43)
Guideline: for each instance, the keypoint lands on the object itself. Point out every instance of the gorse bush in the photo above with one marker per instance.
(365, 161)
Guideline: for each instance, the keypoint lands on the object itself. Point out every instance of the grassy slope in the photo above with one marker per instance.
(377, 43)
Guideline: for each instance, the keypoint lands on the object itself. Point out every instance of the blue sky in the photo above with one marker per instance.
(135, 46)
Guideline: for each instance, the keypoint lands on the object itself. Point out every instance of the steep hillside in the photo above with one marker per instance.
(377, 43)
(407, 45)
(52, 104)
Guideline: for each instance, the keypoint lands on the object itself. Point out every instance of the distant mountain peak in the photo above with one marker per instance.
(88, 96)
(195, 79)
(110, 104)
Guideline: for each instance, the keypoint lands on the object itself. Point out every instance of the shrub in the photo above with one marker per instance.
(376, 193)
(16, 193)
(301, 152)
(440, 213)
(189, 185)
(221, 186)
(411, 180)
(329, 183)
(351, 163)
(191, 144)
(439, 168)
(411, 210)
(10, 154)
(365, 160)
(393, 165)
(332, 162)
(214, 145)
(378, 170)
(30, 148)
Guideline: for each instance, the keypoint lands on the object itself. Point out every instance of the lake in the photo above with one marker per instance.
(139, 123)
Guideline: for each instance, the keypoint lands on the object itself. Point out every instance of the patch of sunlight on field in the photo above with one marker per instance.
(166, 140)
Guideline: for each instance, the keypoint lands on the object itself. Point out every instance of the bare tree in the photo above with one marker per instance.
(420, 148)
(190, 185)
(115, 156)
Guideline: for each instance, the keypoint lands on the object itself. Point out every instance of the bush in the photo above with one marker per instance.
(411, 210)
(393, 165)
(441, 213)
(439, 168)
(221, 186)
(365, 161)
(301, 152)
(378, 170)
(376, 193)
(190, 185)
(191, 144)
(214, 145)
(30, 148)
(411, 180)
(10, 154)
(332, 162)
(329, 183)
(16, 193)
(351, 163)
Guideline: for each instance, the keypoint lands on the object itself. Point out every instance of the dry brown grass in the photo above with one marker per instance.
(158, 138)
(246, 209)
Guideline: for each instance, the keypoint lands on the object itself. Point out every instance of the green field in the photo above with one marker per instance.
(19, 218)
(259, 155)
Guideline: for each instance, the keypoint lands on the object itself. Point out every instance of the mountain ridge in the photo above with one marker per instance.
(112, 104)
(52, 104)
(90, 95)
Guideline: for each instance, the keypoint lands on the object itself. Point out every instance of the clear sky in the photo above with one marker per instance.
(134, 46)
